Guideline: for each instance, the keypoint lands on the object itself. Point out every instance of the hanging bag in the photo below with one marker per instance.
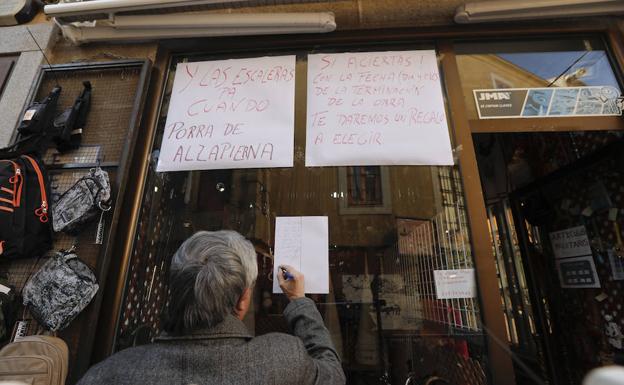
(39, 115)
(82, 202)
(25, 231)
(24, 228)
(59, 291)
(69, 124)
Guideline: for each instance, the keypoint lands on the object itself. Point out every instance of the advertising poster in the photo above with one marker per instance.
(547, 102)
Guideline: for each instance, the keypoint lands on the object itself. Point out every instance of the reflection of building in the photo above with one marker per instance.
(492, 71)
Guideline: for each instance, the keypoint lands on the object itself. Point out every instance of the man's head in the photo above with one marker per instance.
(211, 277)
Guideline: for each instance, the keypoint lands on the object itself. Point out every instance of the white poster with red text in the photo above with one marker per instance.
(376, 108)
(230, 114)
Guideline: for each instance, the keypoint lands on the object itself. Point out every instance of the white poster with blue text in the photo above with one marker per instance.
(227, 114)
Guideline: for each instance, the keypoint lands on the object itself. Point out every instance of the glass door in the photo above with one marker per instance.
(543, 189)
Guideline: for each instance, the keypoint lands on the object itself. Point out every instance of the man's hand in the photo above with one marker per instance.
(293, 288)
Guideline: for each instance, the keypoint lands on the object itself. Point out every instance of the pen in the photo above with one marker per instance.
(286, 274)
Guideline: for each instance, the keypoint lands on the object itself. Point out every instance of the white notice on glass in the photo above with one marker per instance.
(572, 242)
(230, 114)
(303, 243)
(376, 108)
(458, 283)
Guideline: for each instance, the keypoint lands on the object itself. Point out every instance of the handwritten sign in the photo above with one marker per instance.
(230, 114)
(458, 283)
(376, 108)
(570, 242)
(303, 243)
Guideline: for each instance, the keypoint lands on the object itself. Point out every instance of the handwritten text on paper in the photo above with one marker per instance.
(230, 114)
(376, 108)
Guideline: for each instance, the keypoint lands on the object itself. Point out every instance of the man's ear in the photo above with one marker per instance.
(243, 304)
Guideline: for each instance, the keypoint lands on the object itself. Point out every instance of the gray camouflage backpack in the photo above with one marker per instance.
(60, 290)
(89, 196)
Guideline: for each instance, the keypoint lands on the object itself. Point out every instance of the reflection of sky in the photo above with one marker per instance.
(549, 65)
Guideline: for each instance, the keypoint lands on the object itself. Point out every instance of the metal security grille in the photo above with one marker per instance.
(441, 243)
(108, 134)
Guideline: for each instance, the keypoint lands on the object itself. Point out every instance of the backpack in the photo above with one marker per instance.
(59, 290)
(39, 115)
(34, 360)
(69, 124)
(25, 230)
(35, 129)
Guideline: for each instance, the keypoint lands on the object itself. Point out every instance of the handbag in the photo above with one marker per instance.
(59, 291)
(89, 196)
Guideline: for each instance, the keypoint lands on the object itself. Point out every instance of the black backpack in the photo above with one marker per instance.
(25, 225)
(25, 229)
(39, 115)
(69, 124)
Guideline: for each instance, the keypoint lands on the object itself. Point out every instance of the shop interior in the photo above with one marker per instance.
(561, 321)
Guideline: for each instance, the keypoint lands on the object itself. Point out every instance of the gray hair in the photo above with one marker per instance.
(209, 273)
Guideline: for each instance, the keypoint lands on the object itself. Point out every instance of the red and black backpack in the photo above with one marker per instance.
(25, 229)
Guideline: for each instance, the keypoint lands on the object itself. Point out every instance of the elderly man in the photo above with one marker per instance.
(205, 340)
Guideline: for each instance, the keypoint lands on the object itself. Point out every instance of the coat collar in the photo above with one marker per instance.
(230, 327)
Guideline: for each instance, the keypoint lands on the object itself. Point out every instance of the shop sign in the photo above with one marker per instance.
(570, 242)
(376, 108)
(579, 272)
(547, 102)
(303, 243)
(459, 283)
(230, 114)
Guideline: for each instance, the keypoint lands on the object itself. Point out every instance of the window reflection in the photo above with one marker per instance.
(390, 228)
(544, 64)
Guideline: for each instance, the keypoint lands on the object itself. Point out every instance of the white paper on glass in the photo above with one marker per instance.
(303, 243)
(376, 108)
(230, 114)
(459, 283)
(571, 242)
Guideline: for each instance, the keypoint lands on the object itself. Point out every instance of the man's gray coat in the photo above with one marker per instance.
(228, 354)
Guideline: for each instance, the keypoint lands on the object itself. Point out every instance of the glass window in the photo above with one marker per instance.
(538, 183)
(547, 192)
(390, 228)
(537, 64)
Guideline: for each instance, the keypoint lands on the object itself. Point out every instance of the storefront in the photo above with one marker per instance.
(530, 209)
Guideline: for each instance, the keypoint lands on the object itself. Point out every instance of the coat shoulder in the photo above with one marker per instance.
(280, 345)
(125, 361)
